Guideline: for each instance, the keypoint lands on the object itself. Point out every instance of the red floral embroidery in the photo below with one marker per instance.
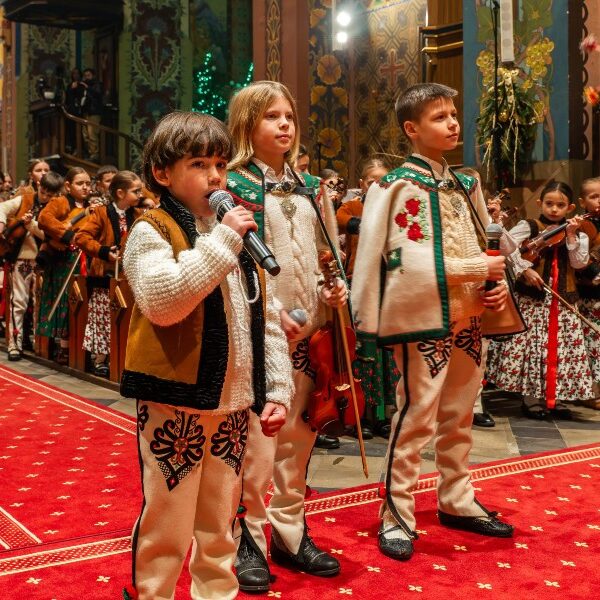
(401, 220)
(413, 206)
(412, 220)
(414, 233)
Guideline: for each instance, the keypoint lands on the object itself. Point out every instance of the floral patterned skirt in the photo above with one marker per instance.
(519, 363)
(55, 274)
(97, 330)
(591, 310)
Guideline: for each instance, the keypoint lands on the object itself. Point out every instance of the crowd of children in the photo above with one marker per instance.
(218, 352)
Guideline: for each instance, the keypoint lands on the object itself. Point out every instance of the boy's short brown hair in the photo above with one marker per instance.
(179, 134)
(586, 183)
(52, 182)
(411, 103)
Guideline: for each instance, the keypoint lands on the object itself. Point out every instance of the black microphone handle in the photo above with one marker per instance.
(260, 252)
(257, 249)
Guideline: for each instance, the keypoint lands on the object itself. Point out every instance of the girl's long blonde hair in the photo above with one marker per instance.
(247, 108)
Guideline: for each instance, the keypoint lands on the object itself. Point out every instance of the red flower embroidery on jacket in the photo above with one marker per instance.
(401, 220)
(414, 233)
(413, 219)
(413, 206)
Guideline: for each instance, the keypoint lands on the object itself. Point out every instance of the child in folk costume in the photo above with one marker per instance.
(100, 193)
(379, 377)
(59, 220)
(588, 283)
(103, 237)
(548, 363)
(19, 217)
(36, 169)
(264, 126)
(418, 220)
(204, 346)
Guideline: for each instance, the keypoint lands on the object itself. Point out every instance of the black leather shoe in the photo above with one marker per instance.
(327, 442)
(367, 432)
(251, 568)
(309, 558)
(537, 412)
(483, 420)
(383, 429)
(562, 412)
(490, 525)
(398, 549)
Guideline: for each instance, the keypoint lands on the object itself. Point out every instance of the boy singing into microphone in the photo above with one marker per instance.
(205, 346)
(418, 221)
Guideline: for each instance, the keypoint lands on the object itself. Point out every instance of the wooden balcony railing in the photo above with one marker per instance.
(55, 131)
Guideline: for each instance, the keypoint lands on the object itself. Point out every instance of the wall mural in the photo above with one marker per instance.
(328, 120)
(383, 59)
(386, 61)
(273, 39)
(156, 64)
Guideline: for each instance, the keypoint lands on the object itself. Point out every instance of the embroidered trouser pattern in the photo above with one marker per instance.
(439, 382)
(22, 289)
(191, 478)
(284, 459)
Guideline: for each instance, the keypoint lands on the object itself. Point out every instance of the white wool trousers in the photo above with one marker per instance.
(191, 482)
(23, 280)
(435, 397)
(284, 460)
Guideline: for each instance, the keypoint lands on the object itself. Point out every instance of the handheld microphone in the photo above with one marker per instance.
(298, 315)
(222, 202)
(493, 233)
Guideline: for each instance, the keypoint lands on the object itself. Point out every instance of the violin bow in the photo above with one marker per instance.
(64, 286)
(572, 309)
(361, 443)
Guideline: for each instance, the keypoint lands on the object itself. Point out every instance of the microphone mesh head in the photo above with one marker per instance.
(217, 198)
(493, 231)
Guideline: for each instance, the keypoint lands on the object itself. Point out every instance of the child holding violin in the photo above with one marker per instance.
(588, 283)
(59, 220)
(417, 234)
(548, 363)
(21, 238)
(102, 237)
(264, 125)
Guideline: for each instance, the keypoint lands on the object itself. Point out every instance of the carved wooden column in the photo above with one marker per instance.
(78, 311)
(121, 305)
(442, 54)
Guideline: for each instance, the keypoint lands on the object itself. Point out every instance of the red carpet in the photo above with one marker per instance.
(552, 499)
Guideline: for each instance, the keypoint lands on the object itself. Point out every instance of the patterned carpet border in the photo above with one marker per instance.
(109, 416)
(64, 556)
(370, 493)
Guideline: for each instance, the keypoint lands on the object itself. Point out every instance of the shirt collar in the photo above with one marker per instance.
(120, 212)
(439, 169)
(270, 174)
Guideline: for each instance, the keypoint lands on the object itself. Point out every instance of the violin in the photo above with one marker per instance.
(551, 236)
(338, 400)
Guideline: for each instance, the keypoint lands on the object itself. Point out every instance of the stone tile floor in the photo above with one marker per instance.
(513, 435)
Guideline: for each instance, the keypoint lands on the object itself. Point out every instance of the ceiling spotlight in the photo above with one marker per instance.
(341, 37)
(344, 18)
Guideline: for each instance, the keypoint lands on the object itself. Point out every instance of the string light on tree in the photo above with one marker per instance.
(211, 97)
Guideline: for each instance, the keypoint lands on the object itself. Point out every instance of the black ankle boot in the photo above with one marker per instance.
(251, 567)
(309, 558)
